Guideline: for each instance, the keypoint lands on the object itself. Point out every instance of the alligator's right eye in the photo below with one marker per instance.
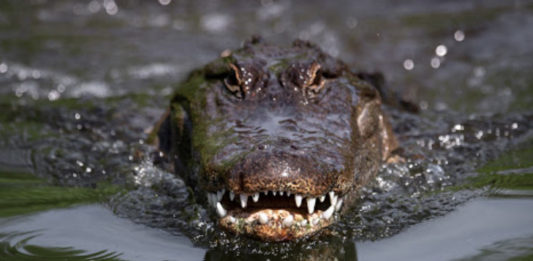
(233, 81)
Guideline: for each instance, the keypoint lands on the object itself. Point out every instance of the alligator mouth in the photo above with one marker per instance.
(274, 215)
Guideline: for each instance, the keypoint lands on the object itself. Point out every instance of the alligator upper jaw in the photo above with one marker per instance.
(274, 216)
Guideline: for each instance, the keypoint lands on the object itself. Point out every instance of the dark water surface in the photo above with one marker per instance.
(81, 83)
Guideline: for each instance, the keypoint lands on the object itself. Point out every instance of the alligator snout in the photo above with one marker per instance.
(279, 170)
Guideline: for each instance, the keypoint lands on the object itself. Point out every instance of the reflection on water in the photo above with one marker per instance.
(90, 232)
(462, 233)
(16, 246)
(81, 82)
(514, 248)
(483, 229)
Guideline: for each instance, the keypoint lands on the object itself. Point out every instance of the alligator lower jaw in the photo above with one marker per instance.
(275, 224)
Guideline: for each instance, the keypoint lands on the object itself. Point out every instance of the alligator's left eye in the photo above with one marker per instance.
(307, 78)
(314, 80)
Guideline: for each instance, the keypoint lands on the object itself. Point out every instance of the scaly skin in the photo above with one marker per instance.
(270, 118)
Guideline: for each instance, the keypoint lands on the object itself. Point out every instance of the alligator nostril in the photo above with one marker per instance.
(294, 147)
(262, 147)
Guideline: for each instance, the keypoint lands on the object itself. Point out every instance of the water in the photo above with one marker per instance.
(81, 83)
(462, 233)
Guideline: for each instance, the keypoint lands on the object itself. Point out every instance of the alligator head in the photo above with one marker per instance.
(276, 138)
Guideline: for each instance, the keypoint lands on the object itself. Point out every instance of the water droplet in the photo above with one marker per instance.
(441, 50)
(61, 88)
(3, 68)
(94, 6)
(35, 74)
(458, 127)
(479, 134)
(408, 64)
(53, 95)
(215, 22)
(459, 35)
(77, 116)
(479, 72)
(110, 7)
(435, 62)
(165, 2)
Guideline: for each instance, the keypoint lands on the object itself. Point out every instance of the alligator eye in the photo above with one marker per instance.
(314, 80)
(233, 82)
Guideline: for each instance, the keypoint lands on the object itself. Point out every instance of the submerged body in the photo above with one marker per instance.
(277, 138)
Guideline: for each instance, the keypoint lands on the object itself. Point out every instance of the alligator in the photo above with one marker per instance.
(276, 140)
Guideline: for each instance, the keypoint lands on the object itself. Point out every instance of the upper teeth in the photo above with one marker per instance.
(334, 200)
(244, 200)
(298, 200)
(311, 205)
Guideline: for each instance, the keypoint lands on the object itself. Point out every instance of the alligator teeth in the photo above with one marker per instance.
(311, 205)
(339, 205)
(332, 198)
(327, 214)
(287, 222)
(220, 210)
(244, 200)
(263, 218)
(298, 200)
(220, 194)
(335, 205)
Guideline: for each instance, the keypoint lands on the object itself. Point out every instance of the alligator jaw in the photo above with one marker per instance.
(274, 215)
